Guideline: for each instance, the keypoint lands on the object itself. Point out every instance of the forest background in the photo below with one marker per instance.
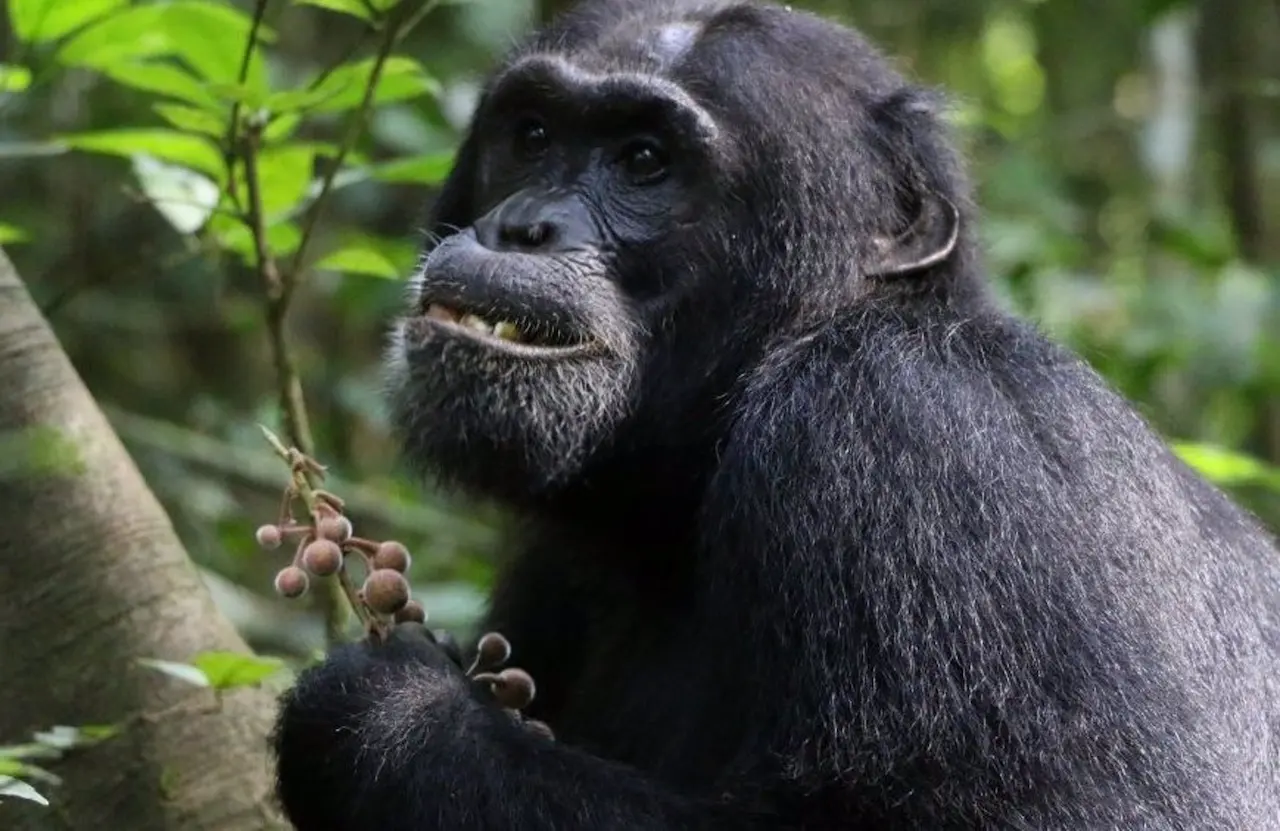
(210, 208)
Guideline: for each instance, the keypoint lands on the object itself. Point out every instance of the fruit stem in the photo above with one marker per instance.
(299, 466)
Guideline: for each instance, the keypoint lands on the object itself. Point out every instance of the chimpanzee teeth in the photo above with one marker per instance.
(504, 329)
(507, 331)
(478, 323)
(437, 312)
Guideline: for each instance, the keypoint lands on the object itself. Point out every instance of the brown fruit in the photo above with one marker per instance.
(269, 536)
(513, 688)
(292, 582)
(386, 591)
(412, 613)
(492, 651)
(391, 555)
(322, 557)
(336, 528)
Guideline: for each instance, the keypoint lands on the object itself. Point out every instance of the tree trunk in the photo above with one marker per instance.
(93, 577)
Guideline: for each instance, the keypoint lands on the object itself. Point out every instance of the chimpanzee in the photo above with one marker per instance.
(810, 533)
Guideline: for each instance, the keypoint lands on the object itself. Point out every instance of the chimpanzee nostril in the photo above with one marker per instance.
(536, 221)
(528, 235)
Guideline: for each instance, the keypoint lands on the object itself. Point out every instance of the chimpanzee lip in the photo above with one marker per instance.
(520, 336)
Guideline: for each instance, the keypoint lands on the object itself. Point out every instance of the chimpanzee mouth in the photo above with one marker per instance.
(516, 336)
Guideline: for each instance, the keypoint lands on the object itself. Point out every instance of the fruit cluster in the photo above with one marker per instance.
(512, 688)
(327, 541)
(323, 546)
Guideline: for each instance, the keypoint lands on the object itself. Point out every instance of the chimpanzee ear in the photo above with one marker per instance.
(927, 241)
(907, 130)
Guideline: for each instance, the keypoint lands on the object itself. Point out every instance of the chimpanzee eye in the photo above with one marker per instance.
(531, 139)
(645, 161)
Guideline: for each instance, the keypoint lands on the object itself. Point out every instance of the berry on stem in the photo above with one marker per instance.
(412, 613)
(492, 651)
(322, 557)
(513, 688)
(386, 591)
(336, 528)
(269, 536)
(391, 555)
(292, 582)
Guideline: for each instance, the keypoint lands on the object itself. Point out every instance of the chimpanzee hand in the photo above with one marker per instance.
(415, 642)
(391, 734)
(378, 696)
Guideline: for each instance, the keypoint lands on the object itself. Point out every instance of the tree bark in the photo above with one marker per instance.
(93, 577)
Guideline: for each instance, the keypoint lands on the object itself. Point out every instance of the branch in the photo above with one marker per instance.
(233, 123)
(293, 407)
(354, 128)
(279, 285)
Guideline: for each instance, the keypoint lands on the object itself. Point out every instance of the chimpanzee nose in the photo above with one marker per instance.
(528, 235)
(536, 223)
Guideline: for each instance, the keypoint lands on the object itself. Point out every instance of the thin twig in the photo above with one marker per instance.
(293, 407)
(233, 123)
(279, 284)
(292, 403)
(354, 128)
(417, 17)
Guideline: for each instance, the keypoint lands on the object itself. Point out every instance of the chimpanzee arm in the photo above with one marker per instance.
(391, 738)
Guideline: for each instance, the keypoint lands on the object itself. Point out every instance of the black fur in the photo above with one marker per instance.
(809, 541)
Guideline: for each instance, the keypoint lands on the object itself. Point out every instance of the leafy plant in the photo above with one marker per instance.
(18, 763)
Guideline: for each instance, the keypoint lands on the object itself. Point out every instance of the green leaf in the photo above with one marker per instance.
(430, 169)
(59, 737)
(209, 37)
(283, 238)
(39, 21)
(133, 33)
(183, 672)
(63, 737)
(360, 261)
(10, 787)
(402, 78)
(14, 78)
(234, 93)
(355, 8)
(30, 750)
(192, 119)
(11, 233)
(282, 126)
(99, 732)
(168, 145)
(284, 174)
(1227, 467)
(185, 198)
(40, 774)
(164, 79)
(228, 670)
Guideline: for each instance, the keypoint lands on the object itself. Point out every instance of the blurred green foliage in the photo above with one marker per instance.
(1126, 153)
